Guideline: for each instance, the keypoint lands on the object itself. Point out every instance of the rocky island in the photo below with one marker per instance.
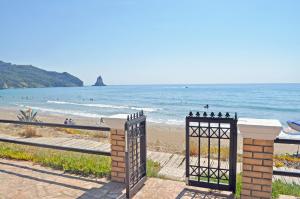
(99, 82)
(28, 76)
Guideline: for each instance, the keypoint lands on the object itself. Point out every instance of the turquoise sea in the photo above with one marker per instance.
(161, 103)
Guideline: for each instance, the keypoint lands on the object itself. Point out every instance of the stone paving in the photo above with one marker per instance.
(167, 189)
(25, 180)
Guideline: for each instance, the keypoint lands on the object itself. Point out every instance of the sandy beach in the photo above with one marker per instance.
(160, 137)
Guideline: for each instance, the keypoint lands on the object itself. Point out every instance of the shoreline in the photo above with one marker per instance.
(160, 137)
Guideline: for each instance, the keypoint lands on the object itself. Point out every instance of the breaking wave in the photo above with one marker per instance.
(105, 106)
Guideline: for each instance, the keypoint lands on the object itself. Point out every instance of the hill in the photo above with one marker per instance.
(27, 76)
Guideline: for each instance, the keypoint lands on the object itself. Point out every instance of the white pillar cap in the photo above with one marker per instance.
(261, 129)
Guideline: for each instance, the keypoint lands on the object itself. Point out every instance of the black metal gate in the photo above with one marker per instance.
(211, 150)
(135, 127)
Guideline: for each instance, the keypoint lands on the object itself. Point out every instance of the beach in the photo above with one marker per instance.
(160, 137)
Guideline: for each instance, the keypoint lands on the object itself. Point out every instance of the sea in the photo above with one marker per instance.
(168, 104)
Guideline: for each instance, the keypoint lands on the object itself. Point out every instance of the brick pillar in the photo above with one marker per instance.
(258, 147)
(257, 168)
(118, 155)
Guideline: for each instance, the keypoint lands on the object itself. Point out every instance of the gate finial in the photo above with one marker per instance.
(227, 115)
(220, 115)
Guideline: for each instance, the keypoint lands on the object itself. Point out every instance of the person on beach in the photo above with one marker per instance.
(66, 121)
(71, 122)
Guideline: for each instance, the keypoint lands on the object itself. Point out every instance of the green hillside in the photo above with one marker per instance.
(27, 76)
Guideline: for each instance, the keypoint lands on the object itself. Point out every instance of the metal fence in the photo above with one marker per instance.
(65, 148)
(286, 173)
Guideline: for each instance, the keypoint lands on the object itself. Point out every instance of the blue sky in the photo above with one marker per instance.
(156, 41)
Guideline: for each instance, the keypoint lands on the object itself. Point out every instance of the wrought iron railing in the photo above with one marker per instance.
(49, 146)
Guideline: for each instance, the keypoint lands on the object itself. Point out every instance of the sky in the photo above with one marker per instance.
(156, 41)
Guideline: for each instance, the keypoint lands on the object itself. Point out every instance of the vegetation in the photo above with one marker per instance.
(72, 162)
(286, 159)
(27, 76)
(28, 116)
(282, 188)
(29, 132)
(153, 168)
(278, 188)
(214, 150)
(238, 188)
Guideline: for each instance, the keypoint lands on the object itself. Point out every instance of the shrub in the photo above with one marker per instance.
(29, 132)
(153, 168)
(28, 116)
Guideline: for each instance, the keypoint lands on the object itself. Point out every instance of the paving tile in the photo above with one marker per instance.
(25, 180)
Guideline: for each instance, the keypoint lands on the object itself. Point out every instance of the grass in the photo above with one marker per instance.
(282, 188)
(238, 188)
(278, 188)
(153, 168)
(71, 162)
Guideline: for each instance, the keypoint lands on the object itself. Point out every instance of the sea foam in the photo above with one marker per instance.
(146, 109)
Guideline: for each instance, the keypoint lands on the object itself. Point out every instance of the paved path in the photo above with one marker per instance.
(166, 189)
(24, 180)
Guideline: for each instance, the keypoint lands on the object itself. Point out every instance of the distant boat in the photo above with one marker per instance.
(294, 125)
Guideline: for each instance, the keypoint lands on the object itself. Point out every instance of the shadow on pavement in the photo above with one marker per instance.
(110, 190)
(197, 194)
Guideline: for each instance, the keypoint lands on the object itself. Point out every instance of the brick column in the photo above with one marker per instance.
(117, 140)
(118, 155)
(258, 147)
(257, 168)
